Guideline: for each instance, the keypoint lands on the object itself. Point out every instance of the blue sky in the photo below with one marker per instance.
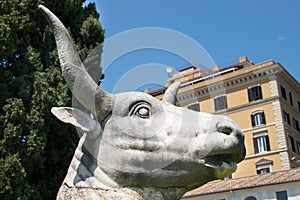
(227, 30)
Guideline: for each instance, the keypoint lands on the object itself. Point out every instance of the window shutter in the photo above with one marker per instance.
(263, 118)
(268, 143)
(255, 145)
(291, 98)
(292, 143)
(253, 120)
(259, 92)
(195, 107)
(216, 104)
(283, 93)
(249, 95)
(220, 103)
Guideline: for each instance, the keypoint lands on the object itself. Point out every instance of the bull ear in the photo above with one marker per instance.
(80, 119)
(171, 93)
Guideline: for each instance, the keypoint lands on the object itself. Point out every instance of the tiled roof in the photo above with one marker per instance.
(247, 182)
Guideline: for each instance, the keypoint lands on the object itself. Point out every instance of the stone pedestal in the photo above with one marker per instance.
(75, 193)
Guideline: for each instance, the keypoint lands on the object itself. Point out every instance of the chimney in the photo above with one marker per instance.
(216, 68)
(243, 59)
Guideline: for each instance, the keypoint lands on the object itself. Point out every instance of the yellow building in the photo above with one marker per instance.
(264, 99)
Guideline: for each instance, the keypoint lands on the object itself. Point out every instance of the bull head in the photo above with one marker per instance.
(135, 140)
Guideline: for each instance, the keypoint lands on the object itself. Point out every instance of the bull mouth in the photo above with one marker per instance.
(221, 161)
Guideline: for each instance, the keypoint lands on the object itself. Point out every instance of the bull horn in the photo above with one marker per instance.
(171, 93)
(83, 87)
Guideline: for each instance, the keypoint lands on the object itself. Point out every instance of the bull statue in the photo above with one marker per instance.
(135, 146)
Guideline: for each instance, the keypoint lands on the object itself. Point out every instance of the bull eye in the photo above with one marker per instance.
(141, 110)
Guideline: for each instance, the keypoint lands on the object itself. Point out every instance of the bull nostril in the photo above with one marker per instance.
(222, 128)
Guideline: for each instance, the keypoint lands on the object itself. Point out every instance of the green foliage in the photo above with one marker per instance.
(35, 148)
(13, 184)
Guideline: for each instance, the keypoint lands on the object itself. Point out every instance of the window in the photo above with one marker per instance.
(263, 170)
(258, 118)
(298, 147)
(298, 106)
(194, 107)
(292, 143)
(283, 92)
(282, 195)
(291, 99)
(250, 198)
(263, 166)
(286, 117)
(261, 144)
(254, 93)
(296, 124)
(220, 103)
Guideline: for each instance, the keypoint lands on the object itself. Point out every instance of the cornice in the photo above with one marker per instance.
(220, 87)
(267, 153)
(259, 128)
(253, 104)
(287, 78)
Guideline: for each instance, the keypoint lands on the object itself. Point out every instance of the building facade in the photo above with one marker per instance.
(264, 100)
(281, 185)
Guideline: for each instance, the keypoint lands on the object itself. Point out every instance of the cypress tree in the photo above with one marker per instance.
(35, 148)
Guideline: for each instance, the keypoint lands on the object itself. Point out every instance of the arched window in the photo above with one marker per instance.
(258, 118)
(250, 198)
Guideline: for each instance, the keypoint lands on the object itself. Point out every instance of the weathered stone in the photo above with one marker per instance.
(77, 193)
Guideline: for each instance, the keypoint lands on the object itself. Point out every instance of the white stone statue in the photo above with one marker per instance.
(135, 146)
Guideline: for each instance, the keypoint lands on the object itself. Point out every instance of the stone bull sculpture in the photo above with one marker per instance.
(135, 146)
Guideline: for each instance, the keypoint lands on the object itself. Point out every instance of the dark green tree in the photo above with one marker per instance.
(35, 148)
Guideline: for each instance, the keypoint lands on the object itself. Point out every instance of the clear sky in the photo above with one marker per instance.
(226, 29)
